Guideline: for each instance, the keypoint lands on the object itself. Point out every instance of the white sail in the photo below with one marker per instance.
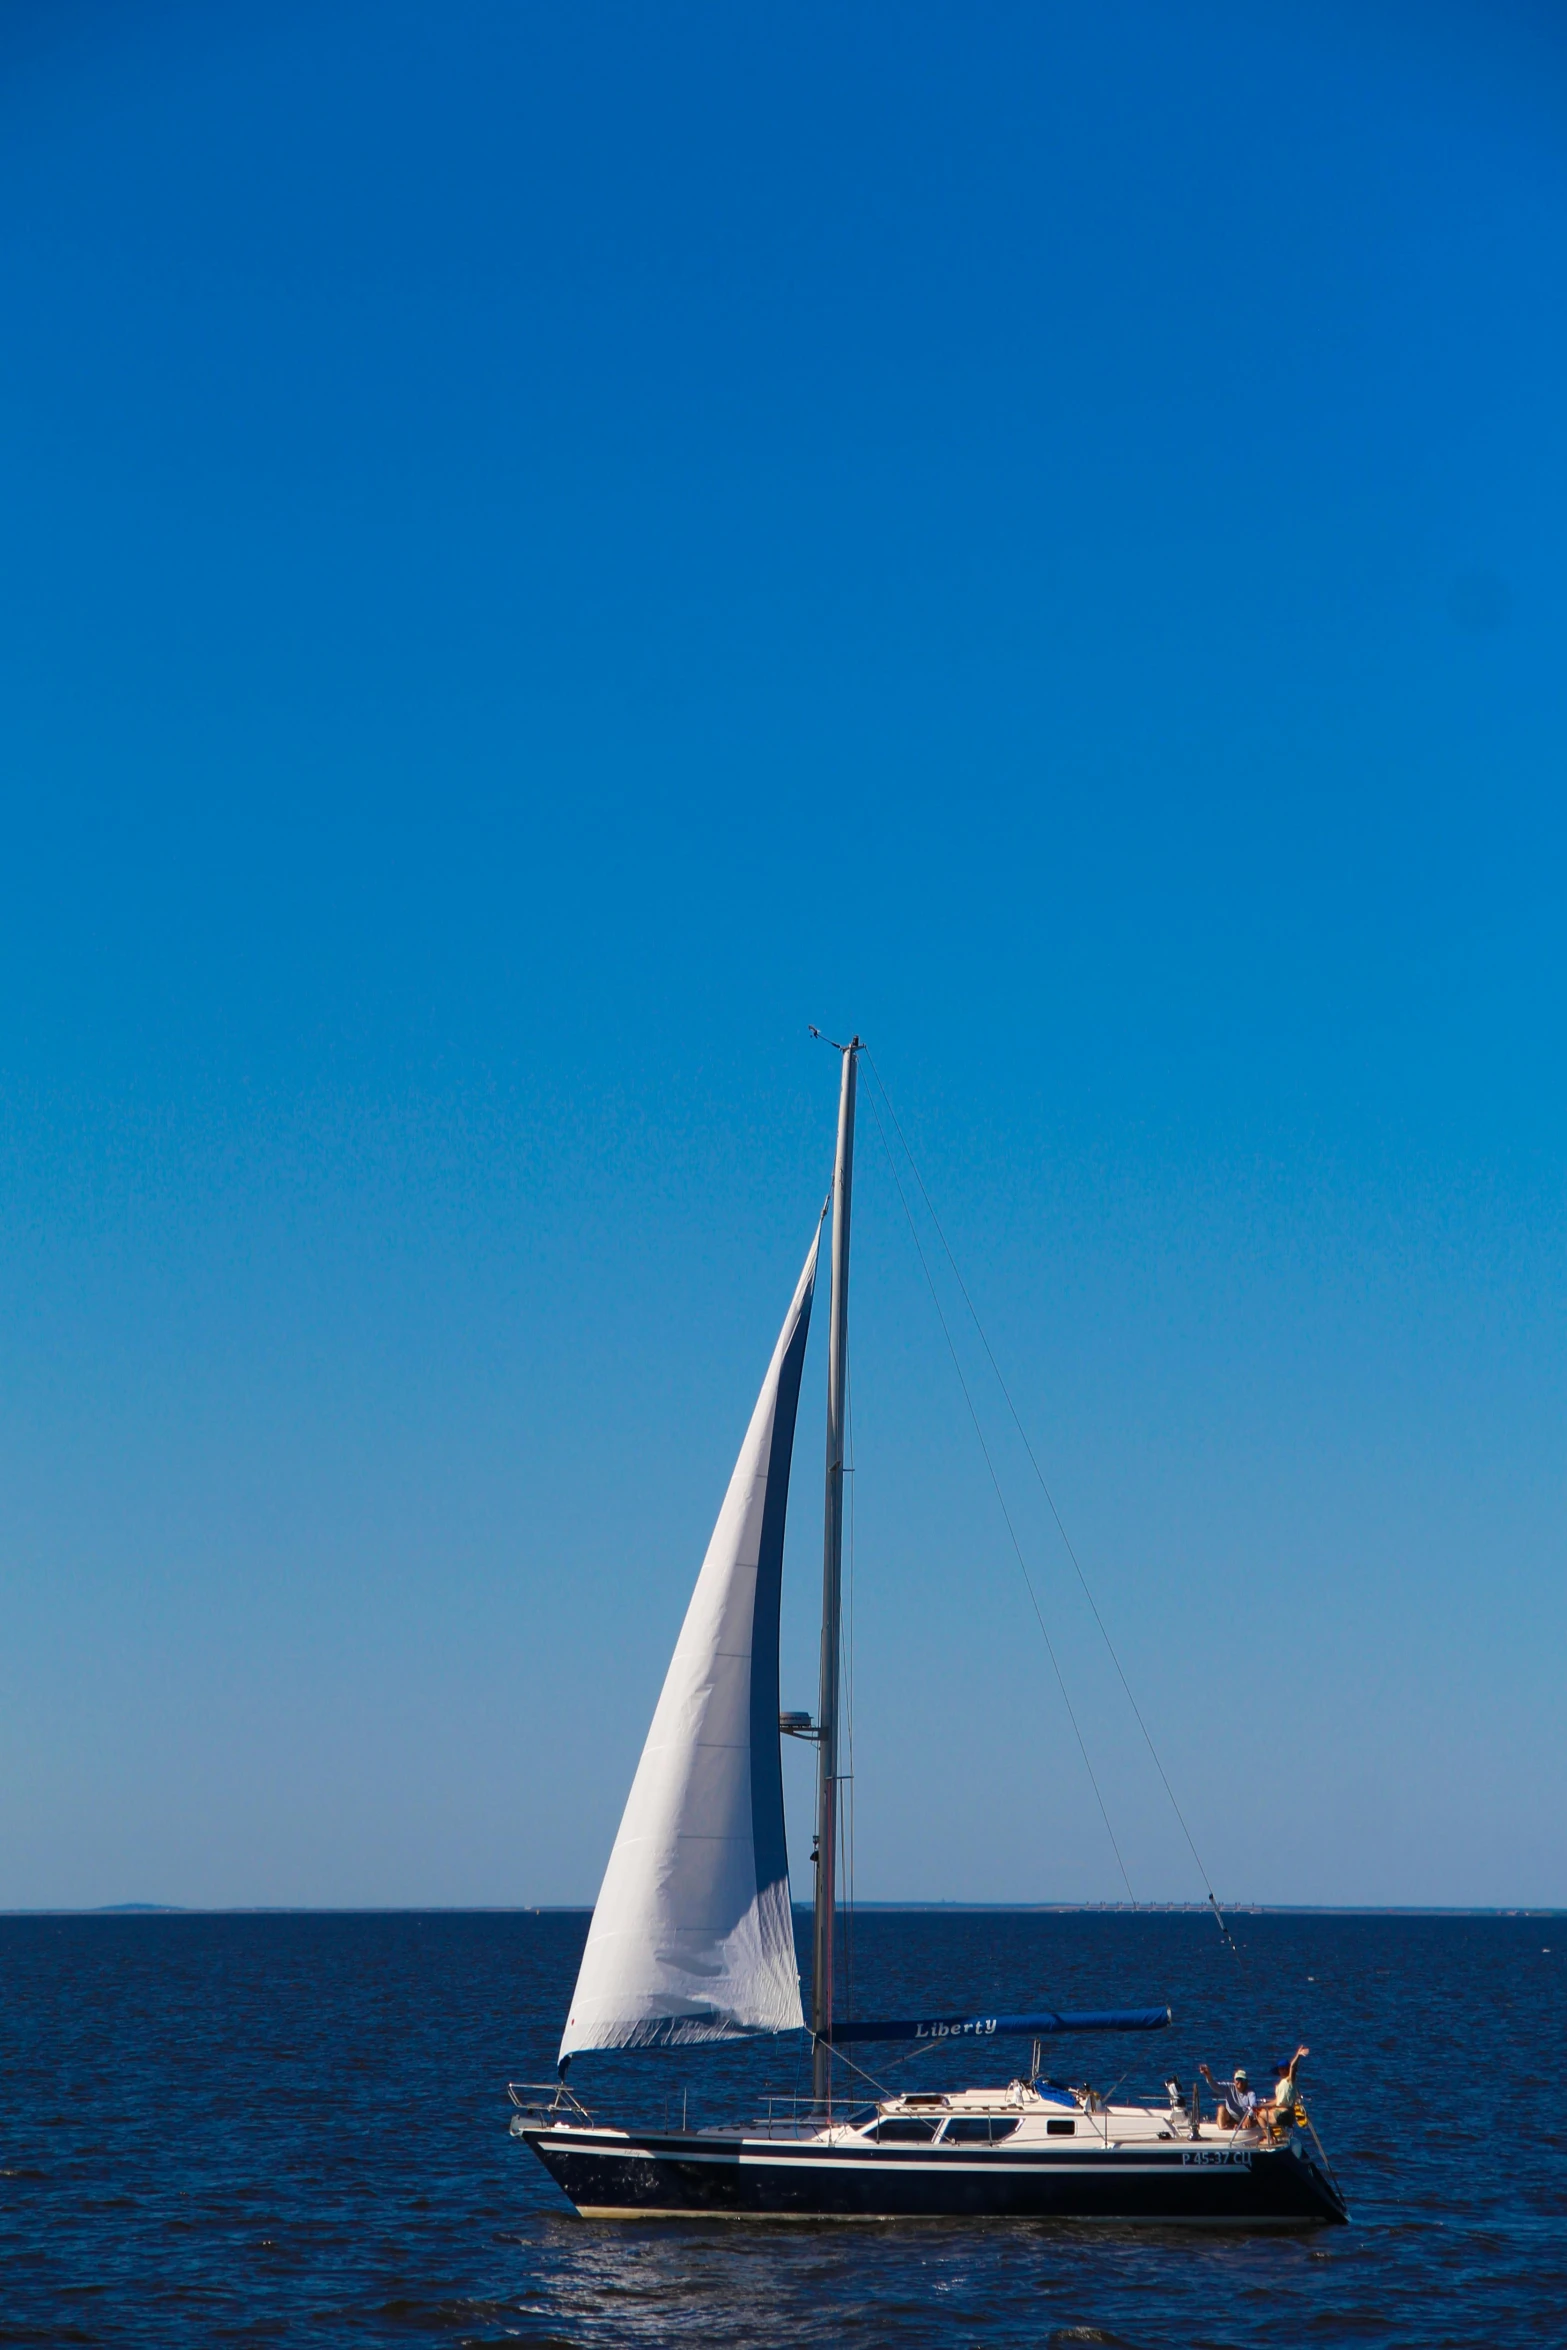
(693, 1937)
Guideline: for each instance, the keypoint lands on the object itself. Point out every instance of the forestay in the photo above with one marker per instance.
(692, 1937)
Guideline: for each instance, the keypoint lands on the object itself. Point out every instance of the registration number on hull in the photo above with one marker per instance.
(1215, 2158)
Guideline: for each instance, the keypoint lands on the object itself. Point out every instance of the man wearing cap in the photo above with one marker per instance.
(1237, 2099)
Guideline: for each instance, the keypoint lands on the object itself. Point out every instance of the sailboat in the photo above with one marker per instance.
(692, 1937)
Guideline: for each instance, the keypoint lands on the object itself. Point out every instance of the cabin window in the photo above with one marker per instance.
(978, 2129)
(1059, 2129)
(905, 2130)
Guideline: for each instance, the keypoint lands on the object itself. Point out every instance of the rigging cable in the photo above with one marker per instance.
(1028, 1580)
(1066, 1539)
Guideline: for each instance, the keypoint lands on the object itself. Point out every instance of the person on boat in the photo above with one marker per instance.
(1284, 2090)
(1237, 2099)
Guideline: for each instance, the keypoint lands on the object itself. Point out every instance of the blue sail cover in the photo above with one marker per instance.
(1040, 2025)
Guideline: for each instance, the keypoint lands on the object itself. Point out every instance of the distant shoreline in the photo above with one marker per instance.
(1240, 1909)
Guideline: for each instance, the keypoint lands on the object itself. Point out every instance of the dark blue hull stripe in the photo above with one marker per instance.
(758, 2178)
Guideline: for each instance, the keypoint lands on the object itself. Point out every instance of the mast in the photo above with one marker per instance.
(832, 1587)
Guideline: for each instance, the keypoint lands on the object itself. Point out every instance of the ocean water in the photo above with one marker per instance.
(293, 2129)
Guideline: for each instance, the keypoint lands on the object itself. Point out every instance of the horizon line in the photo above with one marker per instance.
(1403, 1909)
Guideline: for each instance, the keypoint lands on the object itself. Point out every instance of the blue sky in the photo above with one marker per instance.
(546, 548)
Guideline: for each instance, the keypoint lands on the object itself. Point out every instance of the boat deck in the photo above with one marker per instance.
(1017, 2115)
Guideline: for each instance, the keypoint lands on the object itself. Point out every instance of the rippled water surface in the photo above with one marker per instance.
(293, 2129)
